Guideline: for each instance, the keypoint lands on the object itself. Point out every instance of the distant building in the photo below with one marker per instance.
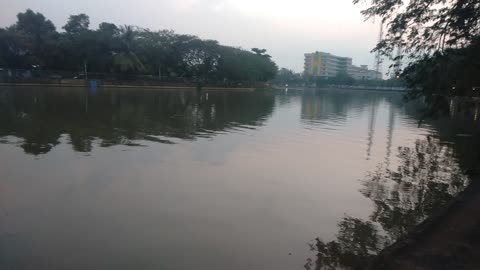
(321, 64)
(363, 73)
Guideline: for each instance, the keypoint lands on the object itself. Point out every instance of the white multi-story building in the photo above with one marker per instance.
(363, 73)
(321, 64)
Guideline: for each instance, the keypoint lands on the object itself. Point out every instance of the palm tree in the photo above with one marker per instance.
(125, 59)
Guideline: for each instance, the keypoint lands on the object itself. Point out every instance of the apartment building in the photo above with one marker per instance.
(322, 64)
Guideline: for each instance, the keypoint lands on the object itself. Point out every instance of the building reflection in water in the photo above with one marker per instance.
(391, 129)
(429, 175)
(334, 107)
(371, 127)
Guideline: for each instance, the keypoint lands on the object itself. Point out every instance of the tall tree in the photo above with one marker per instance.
(440, 39)
(126, 60)
(77, 24)
(261, 52)
(201, 57)
(423, 26)
(108, 29)
(156, 51)
(34, 24)
(33, 36)
(33, 41)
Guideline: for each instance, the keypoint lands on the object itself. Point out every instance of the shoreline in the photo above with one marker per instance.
(115, 86)
(449, 239)
(376, 89)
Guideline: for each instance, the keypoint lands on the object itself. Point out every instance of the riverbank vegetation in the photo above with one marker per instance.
(439, 41)
(430, 174)
(33, 43)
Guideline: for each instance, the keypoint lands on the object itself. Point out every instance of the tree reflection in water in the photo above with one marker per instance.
(428, 177)
(357, 241)
(38, 119)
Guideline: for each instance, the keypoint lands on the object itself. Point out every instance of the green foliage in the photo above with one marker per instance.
(240, 65)
(33, 41)
(77, 24)
(342, 78)
(108, 29)
(33, 24)
(440, 38)
(286, 76)
(453, 72)
(423, 26)
(29, 42)
(261, 52)
(125, 59)
(127, 62)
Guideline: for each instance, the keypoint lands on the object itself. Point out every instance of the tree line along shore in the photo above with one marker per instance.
(32, 47)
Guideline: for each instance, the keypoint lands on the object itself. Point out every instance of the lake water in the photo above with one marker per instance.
(145, 179)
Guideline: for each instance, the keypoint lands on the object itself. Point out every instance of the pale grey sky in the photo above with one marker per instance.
(286, 28)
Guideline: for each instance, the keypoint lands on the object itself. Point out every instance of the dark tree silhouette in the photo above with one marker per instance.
(33, 43)
(427, 178)
(40, 118)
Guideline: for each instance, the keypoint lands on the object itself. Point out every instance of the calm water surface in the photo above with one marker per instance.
(137, 179)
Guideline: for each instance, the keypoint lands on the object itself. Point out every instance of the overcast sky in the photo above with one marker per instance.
(286, 28)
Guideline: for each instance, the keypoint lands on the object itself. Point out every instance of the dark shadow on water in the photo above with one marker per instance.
(357, 242)
(428, 176)
(41, 118)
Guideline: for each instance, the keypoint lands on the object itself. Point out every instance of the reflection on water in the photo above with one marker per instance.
(357, 242)
(317, 106)
(214, 180)
(426, 179)
(116, 117)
